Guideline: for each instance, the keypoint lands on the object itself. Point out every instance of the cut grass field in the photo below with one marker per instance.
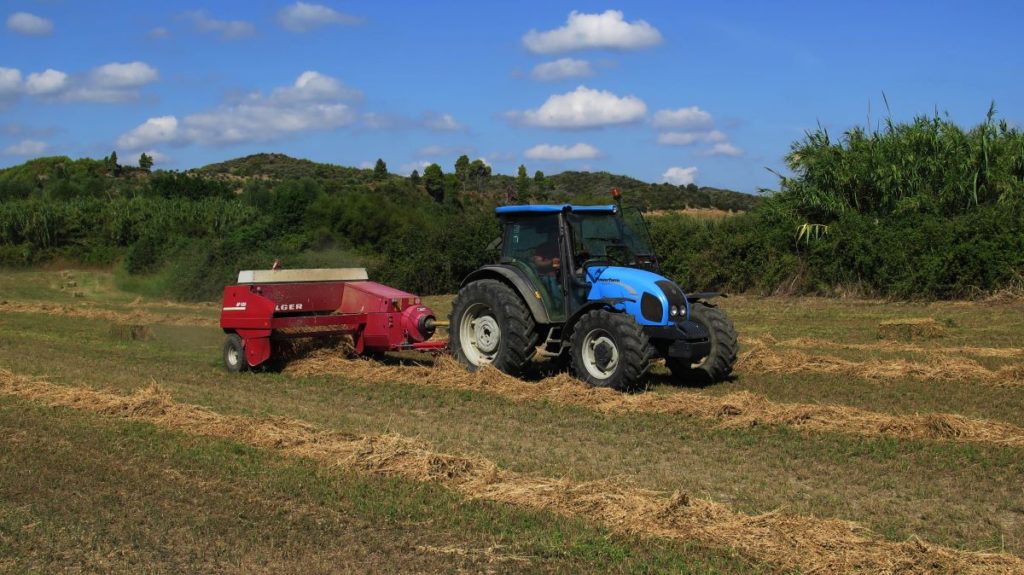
(952, 493)
(83, 493)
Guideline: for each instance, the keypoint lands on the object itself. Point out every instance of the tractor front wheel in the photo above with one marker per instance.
(609, 349)
(490, 325)
(717, 366)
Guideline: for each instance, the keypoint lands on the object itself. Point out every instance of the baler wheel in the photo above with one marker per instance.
(717, 366)
(234, 354)
(610, 349)
(490, 324)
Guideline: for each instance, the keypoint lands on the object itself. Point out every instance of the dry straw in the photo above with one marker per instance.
(741, 409)
(791, 542)
(910, 329)
(762, 358)
(137, 317)
(891, 346)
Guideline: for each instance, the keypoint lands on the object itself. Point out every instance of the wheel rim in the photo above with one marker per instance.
(479, 334)
(600, 354)
(232, 357)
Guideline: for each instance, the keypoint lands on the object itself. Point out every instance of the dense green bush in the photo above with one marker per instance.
(752, 251)
(929, 165)
(905, 255)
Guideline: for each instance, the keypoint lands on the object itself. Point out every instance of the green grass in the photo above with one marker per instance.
(898, 488)
(963, 495)
(87, 493)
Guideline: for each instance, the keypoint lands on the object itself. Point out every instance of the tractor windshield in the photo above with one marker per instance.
(612, 239)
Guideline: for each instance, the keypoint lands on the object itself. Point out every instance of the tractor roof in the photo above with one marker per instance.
(554, 208)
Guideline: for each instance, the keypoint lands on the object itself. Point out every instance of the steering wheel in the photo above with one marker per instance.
(592, 262)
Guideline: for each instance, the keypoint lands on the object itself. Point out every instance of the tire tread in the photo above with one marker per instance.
(518, 335)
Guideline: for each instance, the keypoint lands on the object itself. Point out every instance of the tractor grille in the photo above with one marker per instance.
(694, 331)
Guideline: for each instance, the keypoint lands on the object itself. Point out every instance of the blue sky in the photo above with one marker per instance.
(710, 92)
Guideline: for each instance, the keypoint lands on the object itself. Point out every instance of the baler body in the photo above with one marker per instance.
(271, 305)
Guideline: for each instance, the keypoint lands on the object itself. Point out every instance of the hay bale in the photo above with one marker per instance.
(910, 329)
(130, 332)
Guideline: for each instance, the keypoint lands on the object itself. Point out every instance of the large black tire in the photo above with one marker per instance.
(610, 349)
(717, 366)
(234, 354)
(490, 324)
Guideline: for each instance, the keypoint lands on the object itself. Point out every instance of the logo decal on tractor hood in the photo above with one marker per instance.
(625, 286)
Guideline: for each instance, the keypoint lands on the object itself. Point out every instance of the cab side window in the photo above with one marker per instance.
(532, 242)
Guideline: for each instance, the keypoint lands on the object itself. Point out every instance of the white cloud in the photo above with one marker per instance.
(312, 86)
(14, 129)
(562, 68)
(161, 130)
(120, 76)
(584, 108)
(429, 120)
(408, 167)
(131, 157)
(689, 138)
(499, 156)
(29, 24)
(693, 126)
(159, 33)
(110, 83)
(442, 123)
(579, 151)
(26, 148)
(311, 103)
(46, 83)
(691, 119)
(10, 84)
(725, 149)
(376, 121)
(114, 82)
(435, 150)
(679, 176)
(228, 29)
(584, 31)
(303, 17)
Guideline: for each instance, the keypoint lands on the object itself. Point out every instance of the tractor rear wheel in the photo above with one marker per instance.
(234, 354)
(610, 349)
(717, 366)
(491, 325)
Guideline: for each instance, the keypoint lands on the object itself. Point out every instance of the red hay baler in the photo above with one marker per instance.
(267, 307)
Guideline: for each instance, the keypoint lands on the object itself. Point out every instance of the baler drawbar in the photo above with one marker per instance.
(267, 307)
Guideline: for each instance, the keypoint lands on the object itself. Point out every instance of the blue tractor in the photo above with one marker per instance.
(581, 285)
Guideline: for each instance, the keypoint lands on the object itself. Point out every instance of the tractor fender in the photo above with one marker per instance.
(608, 303)
(704, 296)
(518, 281)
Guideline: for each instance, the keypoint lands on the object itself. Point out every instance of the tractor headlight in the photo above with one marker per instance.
(673, 311)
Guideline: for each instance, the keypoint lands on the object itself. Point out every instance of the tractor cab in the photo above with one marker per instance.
(563, 249)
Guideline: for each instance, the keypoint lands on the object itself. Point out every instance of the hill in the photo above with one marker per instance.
(60, 177)
(580, 187)
(281, 167)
